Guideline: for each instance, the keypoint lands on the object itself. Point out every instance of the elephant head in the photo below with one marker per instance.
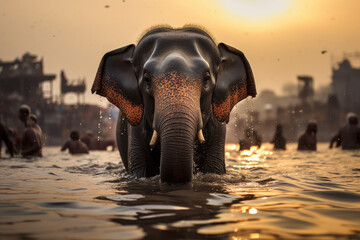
(174, 81)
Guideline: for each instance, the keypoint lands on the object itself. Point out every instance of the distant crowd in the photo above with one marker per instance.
(30, 143)
(348, 137)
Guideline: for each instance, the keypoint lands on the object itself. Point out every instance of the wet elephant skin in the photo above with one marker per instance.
(175, 90)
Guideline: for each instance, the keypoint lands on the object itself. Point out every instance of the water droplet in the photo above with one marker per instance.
(99, 123)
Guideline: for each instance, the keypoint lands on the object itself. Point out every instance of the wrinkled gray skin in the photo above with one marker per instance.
(140, 81)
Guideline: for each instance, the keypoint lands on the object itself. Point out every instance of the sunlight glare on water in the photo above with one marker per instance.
(265, 194)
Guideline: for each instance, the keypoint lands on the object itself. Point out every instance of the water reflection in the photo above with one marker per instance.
(264, 195)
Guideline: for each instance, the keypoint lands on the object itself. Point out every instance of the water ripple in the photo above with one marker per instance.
(265, 194)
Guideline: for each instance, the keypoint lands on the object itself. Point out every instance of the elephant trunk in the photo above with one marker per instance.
(177, 119)
(177, 137)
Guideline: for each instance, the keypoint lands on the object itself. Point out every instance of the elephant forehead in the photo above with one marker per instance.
(191, 66)
(191, 45)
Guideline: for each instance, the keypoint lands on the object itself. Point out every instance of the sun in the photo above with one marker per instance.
(256, 9)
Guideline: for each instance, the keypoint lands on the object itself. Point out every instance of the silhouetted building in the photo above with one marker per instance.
(24, 78)
(346, 85)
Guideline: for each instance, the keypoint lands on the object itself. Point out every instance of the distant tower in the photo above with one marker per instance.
(306, 89)
(67, 87)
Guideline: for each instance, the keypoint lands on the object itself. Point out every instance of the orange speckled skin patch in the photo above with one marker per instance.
(176, 91)
(132, 112)
(222, 110)
(116, 81)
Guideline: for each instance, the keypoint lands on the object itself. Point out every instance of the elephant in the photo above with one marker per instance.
(175, 90)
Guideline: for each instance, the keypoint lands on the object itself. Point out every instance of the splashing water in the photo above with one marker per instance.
(248, 119)
(110, 115)
(100, 119)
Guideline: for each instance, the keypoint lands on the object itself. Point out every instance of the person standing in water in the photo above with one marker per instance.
(279, 141)
(31, 140)
(307, 140)
(102, 144)
(348, 136)
(74, 145)
(90, 140)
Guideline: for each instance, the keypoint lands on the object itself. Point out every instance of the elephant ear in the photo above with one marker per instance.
(116, 80)
(235, 81)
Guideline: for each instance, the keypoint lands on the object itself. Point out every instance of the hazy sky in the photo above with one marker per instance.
(280, 38)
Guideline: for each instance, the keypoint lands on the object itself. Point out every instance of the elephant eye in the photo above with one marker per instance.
(146, 78)
(207, 78)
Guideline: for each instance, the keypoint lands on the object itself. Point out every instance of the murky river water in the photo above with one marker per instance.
(265, 195)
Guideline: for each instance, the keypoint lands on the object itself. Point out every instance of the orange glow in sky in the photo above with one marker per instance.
(280, 38)
(256, 9)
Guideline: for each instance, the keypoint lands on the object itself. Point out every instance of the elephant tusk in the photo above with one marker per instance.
(200, 136)
(154, 139)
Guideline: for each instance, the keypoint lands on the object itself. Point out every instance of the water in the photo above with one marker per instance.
(264, 195)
